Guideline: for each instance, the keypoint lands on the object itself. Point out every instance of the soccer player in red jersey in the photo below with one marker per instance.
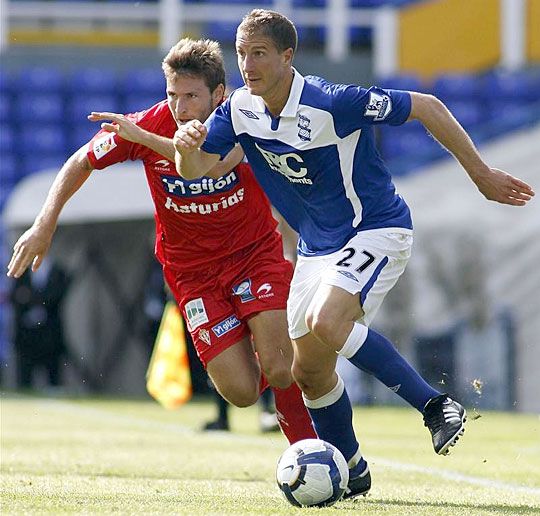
(224, 266)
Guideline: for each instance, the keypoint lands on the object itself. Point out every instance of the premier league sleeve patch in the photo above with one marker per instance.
(103, 145)
(379, 105)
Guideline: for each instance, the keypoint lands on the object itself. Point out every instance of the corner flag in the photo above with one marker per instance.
(168, 379)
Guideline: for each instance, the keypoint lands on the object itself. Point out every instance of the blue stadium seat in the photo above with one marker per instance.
(41, 140)
(46, 108)
(224, 32)
(407, 82)
(136, 102)
(7, 138)
(10, 172)
(522, 85)
(468, 112)
(93, 80)
(361, 35)
(54, 161)
(311, 35)
(80, 106)
(410, 140)
(5, 107)
(82, 133)
(6, 81)
(149, 81)
(309, 3)
(39, 79)
(457, 86)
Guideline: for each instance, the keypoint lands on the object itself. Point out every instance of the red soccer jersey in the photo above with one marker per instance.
(198, 221)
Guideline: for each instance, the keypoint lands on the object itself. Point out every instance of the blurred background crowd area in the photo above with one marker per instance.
(62, 59)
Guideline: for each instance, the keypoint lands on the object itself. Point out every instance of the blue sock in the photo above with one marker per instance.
(375, 354)
(332, 419)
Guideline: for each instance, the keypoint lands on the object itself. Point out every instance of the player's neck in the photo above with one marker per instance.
(276, 99)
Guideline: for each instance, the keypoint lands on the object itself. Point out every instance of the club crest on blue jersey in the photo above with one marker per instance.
(179, 187)
(243, 291)
(304, 132)
(226, 326)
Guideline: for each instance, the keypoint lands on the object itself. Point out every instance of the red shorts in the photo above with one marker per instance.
(218, 301)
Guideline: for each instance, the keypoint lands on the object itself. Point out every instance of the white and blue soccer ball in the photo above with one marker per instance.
(312, 472)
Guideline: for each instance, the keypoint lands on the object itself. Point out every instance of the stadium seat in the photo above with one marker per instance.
(7, 138)
(81, 133)
(41, 140)
(39, 79)
(407, 82)
(6, 81)
(5, 107)
(224, 32)
(457, 86)
(10, 172)
(40, 108)
(31, 165)
(92, 80)
(149, 81)
(468, 112)
(521, 85)
(311, 35)
(137, 102)
(81, 105)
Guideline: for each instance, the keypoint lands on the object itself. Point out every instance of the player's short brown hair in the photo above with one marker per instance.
(199, 58)
(272, 25)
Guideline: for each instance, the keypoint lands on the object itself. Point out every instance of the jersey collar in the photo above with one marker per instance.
(291, 107)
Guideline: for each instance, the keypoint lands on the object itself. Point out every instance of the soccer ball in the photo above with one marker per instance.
(312, 472)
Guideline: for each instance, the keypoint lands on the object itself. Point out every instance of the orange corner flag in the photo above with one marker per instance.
(168, 378)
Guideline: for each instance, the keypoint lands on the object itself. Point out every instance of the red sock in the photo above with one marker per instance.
(292, 414)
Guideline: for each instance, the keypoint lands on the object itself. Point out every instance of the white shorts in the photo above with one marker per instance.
(370, 264)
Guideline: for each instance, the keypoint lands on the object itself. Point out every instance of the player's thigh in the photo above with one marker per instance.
(314, 366)
(210, 316)
(274, 348)
(236, 373)
(367, 267)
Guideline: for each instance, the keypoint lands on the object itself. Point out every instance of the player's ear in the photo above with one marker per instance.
(217, 95)
(287, 56)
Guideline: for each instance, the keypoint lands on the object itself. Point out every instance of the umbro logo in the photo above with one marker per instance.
(249, 114)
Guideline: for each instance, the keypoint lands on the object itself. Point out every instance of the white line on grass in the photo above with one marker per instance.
(263, 441)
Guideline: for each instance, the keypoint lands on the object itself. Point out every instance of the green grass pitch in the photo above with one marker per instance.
(61, 456)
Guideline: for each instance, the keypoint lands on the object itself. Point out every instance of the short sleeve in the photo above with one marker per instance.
(355, 107)
(221, 137)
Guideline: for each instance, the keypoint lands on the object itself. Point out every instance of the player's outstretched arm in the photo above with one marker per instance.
(128, 130)
(34, 243)
(494, 184)
(191, 161)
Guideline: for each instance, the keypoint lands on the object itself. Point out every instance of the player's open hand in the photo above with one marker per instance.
(497, 185)
(120, 124)
(189, 136)
(31, 248)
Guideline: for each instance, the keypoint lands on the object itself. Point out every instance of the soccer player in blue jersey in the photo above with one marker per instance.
(311, 145)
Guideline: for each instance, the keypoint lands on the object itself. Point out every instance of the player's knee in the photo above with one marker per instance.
(308, 381)
(241, 395)
(278, 376)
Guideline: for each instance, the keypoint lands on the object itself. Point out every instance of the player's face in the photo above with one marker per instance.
(189, 98)
(264, 68)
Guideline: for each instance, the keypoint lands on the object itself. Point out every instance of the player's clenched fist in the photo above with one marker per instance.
(189, 136)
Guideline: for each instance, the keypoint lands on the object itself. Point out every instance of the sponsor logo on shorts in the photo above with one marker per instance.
(226, 326)
(204, 335)
(103, 145)
(195, 313)
(349, 275)
(243, 291)
(265, 290)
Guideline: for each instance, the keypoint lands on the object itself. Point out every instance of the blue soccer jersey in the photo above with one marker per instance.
(317, 161)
